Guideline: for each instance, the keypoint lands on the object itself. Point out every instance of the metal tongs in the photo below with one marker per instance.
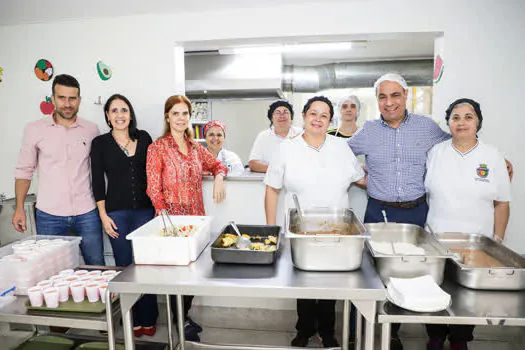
(164, 213)
(299, 213)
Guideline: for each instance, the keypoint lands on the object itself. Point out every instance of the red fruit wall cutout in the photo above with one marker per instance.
(47, 107)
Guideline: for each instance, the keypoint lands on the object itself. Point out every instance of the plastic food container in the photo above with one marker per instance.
(325, 251)
(38, 258)
(151, 248)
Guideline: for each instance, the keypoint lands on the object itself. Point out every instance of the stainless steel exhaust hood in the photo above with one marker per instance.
(214, 76)
(233, 76)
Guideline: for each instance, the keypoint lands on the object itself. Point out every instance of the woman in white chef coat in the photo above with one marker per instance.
(319, 168)
(215, 133)
(280, 114)
(468, 190)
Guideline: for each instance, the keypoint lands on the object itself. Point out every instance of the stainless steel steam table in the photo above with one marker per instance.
(469, 306)
(281, 280)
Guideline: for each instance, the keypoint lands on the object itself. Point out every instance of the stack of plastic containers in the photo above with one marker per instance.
(30, 260)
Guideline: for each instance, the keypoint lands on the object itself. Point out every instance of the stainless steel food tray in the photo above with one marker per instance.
(509, 277)
(237, 256)
(326, 252)
(407, 266)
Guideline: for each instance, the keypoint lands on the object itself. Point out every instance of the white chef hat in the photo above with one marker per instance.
(352, 98)
(391, 77)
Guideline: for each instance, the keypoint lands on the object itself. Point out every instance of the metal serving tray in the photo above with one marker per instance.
(233, 255)
(407, 266)
(326, 252)
(509, 277)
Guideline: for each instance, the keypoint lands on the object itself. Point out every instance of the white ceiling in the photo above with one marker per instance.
(37, 11)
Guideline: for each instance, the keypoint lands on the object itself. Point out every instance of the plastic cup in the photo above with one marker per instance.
(81, 273)
(92, 292)
(77, 291)
(63, 291)
(67, 272)
(36, 298)
(45, 284)
(85, 279)
(94, 273)
(102, 288)
(51, 297)
(109, 273)
(71, 279)
(99, 279)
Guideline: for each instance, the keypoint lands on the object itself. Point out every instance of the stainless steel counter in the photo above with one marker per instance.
(247, 176)
(281, 280)
(469, 306)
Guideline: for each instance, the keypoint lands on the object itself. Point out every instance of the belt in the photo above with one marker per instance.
(403, 205)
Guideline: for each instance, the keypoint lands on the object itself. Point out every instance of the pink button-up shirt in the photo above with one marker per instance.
(61, 157)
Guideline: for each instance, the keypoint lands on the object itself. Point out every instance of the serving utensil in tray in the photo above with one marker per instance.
(482, 263)
(258, 234)
(431, 262)
(327, 239)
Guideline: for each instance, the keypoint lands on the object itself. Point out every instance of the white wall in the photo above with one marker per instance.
(482, 43)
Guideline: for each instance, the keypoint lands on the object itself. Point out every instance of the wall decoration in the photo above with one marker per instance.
(1, 72)
(104, 72)
(43, 69)
(438, 69)
(46, 106)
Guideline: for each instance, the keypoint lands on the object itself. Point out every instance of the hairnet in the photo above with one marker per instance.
(352, 98)
(391, 77)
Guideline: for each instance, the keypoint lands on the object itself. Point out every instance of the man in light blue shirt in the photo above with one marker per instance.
(396, 149)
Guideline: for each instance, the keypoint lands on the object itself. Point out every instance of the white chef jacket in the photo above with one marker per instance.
(232, 161)
(320, 177)
(462, 188)
(267, 142)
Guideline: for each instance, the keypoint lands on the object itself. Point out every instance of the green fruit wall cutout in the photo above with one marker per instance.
(438, 69)
(104, 72)
(43, 69)
(1, 72)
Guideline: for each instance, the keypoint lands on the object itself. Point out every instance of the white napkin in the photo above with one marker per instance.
(417, 294)
(400, 248)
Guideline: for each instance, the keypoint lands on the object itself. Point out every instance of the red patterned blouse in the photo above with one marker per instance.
(175, 179)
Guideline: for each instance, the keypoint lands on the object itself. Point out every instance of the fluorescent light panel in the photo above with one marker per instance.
(288, 48)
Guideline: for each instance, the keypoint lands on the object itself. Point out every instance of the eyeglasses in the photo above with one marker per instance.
(279, 113)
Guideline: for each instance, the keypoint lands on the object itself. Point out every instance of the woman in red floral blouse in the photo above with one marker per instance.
(174, 168)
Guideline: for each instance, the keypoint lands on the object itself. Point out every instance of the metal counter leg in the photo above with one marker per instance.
(385, 336)
(180, 321)
(126, 303)
(358, 330)
(346, 324)
(170, 324)
(369, 330)
(109, 320)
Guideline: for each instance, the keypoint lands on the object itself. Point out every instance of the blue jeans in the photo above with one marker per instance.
(86, 225)
(145, 311)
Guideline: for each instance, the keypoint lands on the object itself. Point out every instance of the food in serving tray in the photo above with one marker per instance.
(325, 228)
(476, 258)
(179, 231)
(261, 243)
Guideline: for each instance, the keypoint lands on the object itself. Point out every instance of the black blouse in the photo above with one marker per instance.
(126, 176)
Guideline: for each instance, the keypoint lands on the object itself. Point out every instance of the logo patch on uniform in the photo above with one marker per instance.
(482, 171)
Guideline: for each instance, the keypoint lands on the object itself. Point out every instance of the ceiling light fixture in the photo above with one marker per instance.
(287, 48)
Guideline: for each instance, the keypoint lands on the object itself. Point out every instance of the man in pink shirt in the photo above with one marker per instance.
(58, 149)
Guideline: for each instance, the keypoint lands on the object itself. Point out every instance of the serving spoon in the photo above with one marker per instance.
(242, 242)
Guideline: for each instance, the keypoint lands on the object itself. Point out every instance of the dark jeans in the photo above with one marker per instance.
(315, 316)
(456, 333)
(86, 225)
(416, 216)
(186, 301)
(145, 311)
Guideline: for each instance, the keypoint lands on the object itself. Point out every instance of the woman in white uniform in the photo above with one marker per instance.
(319, 168)
(215, 133)
(468, 190)
(280, 114)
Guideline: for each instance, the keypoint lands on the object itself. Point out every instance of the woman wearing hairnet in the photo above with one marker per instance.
(349, 108)
(468, 191)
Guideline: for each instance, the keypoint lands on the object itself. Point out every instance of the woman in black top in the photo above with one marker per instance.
(123, 205)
